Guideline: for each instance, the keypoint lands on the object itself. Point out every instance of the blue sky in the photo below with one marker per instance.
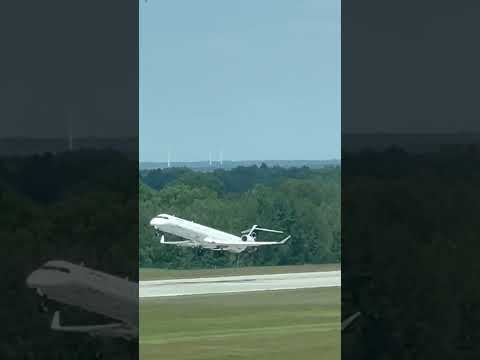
(259, 80)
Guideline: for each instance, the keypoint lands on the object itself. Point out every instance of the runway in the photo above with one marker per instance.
(233, 284)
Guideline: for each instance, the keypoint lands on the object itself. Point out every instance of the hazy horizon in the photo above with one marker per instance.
(241, 160)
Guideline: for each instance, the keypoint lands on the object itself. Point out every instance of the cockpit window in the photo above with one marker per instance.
(162, 217)
(50, 267)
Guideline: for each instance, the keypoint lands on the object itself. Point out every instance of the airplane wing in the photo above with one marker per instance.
(178, 243)
(113, 330)
(88, 289)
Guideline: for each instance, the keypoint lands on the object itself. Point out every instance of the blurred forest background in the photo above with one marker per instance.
(77, 206)
(410, 248)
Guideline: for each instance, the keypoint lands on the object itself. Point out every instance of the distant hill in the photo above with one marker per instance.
(413, 143)
(228, 165)
(22, 146)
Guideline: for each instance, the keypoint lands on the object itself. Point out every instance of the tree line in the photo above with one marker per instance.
(300, 201)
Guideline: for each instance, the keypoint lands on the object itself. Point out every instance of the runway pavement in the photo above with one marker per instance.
(232, 284)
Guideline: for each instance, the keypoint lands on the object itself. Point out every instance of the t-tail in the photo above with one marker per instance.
(250, 235)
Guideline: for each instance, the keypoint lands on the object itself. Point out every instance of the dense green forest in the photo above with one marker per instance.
(303, 202)
(410, 254)
(77, 206)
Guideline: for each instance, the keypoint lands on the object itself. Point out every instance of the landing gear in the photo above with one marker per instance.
(199, 251)
(42, 307)
(43, 304)
(237, 262)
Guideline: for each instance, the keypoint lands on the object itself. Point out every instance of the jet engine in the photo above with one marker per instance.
(248, 238)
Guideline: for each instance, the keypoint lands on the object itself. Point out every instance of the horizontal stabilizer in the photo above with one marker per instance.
(256, 228)
(269, 230)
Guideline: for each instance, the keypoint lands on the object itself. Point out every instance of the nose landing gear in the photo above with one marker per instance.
(42, 302)
(42, 307)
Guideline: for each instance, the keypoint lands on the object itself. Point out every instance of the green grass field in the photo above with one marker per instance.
(161, 274)
(291, 324)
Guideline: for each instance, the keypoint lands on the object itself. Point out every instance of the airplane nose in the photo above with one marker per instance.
(157, 222)
(41, 278)
(33, 280)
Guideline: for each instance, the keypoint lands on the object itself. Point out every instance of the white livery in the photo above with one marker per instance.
(197, 235)
(91, 290)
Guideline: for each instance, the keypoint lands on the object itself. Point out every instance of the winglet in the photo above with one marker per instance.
(285, 240)
(162, 239)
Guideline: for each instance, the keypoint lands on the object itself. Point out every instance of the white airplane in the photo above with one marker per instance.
(90, 290)
(203, 236)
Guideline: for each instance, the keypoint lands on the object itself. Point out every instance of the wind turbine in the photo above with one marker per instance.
(70, 129)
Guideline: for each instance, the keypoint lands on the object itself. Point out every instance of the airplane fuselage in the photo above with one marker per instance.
(197, 234)
(88, 289)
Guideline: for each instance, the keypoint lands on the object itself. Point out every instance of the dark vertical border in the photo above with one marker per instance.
(411, 150)
(68, 171)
